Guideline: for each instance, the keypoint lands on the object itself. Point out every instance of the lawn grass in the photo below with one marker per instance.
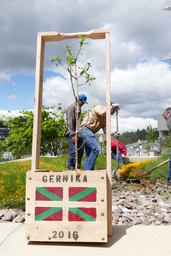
(13, 177)
(159, 174)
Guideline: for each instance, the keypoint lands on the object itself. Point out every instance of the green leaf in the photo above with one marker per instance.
(88, 77)
(58, 57)
(92, 78)
(82, 73)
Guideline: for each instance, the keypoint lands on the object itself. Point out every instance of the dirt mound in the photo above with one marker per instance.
(139, 173)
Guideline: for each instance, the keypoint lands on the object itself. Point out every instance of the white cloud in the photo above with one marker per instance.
(56, 90)
(142, 91)
(139, 38)
(132, 124)
(4, 77)
(7, 113)
(11, 97)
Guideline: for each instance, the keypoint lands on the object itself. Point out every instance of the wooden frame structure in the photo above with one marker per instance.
(42, 38)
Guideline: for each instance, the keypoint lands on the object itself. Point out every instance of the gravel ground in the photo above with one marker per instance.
(141, 204)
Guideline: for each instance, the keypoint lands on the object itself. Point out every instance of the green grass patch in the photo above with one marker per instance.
(13, 177)
(158, 174)
(161, 172)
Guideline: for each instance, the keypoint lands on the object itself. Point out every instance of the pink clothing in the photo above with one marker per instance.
(122, 147)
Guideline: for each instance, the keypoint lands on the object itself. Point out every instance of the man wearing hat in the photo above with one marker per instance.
(71, 115)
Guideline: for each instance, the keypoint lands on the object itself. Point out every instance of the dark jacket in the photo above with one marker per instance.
(71, 115)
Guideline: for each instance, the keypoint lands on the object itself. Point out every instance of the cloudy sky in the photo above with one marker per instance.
(140, 37)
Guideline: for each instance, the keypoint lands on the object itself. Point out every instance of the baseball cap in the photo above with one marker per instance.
(83, 98)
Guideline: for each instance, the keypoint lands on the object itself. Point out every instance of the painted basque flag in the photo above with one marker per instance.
(75, 194)
(48, 213)
(82, 214)
(49, 194)
(82, 194)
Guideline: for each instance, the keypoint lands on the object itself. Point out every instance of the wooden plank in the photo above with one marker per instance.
(58, 36)
(38, 103)
(108, 135)
(66, 207)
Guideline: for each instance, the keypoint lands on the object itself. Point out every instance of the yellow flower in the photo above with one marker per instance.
(127, 170)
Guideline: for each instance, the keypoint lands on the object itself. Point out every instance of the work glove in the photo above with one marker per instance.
(117, 134)
(115, 106)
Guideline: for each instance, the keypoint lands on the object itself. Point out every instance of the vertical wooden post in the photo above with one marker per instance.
(38, 103)
(108, 135)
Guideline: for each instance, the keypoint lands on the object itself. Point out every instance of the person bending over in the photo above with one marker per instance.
(95, 120)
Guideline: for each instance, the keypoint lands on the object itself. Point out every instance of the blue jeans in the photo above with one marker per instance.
(91, 148)
(115, 157)
(71, 157)
(169, 173)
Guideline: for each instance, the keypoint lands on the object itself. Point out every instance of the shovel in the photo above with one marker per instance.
(114, 171)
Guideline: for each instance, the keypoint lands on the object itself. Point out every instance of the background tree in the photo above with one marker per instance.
(166, 143)
(151, 136)
(52, 129)
(1, 150)
(19, 141)
(83, 115)
(134, 136)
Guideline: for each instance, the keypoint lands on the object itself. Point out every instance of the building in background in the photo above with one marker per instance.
(162, 127)
(4, 131)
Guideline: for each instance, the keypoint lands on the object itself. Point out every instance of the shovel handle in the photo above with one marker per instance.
(155, 167)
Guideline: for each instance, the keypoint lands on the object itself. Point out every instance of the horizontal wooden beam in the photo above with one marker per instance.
(57, 36)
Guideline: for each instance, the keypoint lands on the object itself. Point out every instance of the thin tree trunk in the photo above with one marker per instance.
(76, 135)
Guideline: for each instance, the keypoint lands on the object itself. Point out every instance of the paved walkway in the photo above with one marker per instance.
(126, 241)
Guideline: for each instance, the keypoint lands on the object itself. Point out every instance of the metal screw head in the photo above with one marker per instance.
(102, 213)
(102, 177)
(102, 200)
(28, 237)
(49, 238)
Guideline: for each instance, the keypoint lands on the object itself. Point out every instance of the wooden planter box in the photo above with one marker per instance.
(66, 206)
